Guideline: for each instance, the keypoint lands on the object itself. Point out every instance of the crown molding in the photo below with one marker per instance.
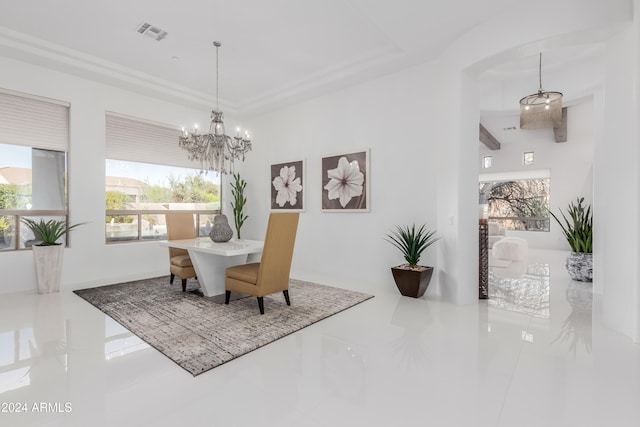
(40, 52)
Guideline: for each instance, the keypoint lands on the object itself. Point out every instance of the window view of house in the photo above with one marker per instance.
(518, 204)
(138, 194)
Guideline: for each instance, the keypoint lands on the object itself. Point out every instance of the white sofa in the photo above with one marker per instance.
(510, 248)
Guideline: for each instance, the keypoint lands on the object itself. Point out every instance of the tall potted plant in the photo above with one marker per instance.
(239, 200)
(48, 252)
(578, 230)
(412, 279)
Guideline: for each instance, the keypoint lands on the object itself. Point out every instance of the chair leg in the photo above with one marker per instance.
(173, 276)
(286, 296)
(227, 296)
(184, 285)
(261, 304)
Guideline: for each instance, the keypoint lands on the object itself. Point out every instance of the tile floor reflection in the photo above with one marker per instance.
(521, 287)
(534, 354)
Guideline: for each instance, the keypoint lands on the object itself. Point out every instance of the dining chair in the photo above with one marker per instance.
(180, 226)
(271, 274)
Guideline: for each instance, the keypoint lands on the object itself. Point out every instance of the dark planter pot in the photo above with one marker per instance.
(580, 266)
(412, 283)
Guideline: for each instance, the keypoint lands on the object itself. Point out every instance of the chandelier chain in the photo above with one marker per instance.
(217, 45)
(540, 71)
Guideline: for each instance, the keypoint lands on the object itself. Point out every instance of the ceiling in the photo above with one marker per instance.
(273, 52)
(576, 71)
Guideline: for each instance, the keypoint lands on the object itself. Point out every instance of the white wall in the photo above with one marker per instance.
(635, 332)
(89, 260)
(392, 117)
(570, 163)
(616, 186)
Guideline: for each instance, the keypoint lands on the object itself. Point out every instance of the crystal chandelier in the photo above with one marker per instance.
(216, 151)
(542, 109)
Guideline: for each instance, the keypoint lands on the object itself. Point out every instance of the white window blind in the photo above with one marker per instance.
(34, 122)
(141, 141)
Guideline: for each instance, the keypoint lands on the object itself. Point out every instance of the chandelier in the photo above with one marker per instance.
(542, 109)
(216, 151)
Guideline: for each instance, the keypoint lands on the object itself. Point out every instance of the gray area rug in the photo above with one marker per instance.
(199, 333)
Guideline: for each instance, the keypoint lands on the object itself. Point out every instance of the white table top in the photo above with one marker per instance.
(205, 244)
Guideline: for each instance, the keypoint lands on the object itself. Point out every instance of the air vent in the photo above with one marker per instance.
(151, 31)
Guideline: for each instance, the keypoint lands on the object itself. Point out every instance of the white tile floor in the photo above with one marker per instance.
(533, 355)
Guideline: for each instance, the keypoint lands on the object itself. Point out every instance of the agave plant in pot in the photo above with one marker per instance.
(578, 230)
(48, 252)
(412, 279)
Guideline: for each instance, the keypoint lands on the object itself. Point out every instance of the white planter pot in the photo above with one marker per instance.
(48, 260)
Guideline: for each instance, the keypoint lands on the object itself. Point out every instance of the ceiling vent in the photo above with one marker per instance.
(151, 31)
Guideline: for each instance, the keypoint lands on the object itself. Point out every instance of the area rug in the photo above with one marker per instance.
(199, 333)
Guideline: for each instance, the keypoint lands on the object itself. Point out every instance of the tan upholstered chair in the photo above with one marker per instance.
(180, 226)
(271, 274)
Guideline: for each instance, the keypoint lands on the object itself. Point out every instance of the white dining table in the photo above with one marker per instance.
(210, 259)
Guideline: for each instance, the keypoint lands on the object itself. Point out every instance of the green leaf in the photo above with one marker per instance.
(239, 200)
(578, 226)
(51, 231)
(411, 242)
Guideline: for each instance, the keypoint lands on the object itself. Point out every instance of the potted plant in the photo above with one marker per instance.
(239, 200)
(578, 230)
(412, 279)
(48, 252)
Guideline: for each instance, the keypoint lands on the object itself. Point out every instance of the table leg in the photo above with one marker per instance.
(210, 270)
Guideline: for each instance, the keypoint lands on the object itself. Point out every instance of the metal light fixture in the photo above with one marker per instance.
(542, 109)
(216, 151)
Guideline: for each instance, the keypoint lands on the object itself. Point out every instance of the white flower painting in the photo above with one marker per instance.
(344, 182)
(287, 186)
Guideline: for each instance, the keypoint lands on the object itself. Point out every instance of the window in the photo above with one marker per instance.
(32, 165)
(487, 162)
(147, 174)
(519, 203)
(527, 158)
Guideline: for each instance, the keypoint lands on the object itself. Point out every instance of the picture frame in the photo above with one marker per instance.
(346, 182)
(287, 185)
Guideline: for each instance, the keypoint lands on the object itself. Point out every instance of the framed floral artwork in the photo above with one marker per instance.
(345, 182)
(287, 186)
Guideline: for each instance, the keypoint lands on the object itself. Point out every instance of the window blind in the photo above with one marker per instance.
(137, 140)
(34, 122)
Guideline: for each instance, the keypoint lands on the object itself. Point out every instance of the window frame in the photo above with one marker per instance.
(137, 140)
(17, 214)
(140, 212)
(515, 176)
(18, 112)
